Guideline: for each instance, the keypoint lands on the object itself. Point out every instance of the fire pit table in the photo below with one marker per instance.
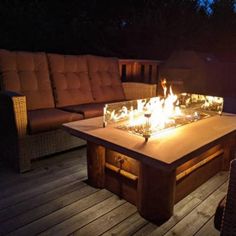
(154, 175)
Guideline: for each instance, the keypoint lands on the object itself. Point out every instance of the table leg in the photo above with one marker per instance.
(96, 165)
(156, 193)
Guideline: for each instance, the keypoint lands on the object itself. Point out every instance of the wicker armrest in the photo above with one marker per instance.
(229, 217)
(139, 90)
(13, 114)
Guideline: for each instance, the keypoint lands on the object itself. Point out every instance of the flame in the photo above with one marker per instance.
(158, 111)
(164, 86)
(150, 116)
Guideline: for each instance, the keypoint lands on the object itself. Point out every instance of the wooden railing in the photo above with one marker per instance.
(145, 71)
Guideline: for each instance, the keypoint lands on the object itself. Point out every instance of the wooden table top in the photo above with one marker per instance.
(171, 148)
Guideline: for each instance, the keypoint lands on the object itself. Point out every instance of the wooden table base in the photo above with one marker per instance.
(153, 190)
(154, 175)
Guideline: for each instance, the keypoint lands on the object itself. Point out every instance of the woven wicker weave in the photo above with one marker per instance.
(43, 144)
(18, 147)
(229, 218)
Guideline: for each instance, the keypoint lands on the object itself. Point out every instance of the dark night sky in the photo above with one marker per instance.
(131, 29)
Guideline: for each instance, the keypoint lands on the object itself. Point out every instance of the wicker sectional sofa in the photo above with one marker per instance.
(41, 91)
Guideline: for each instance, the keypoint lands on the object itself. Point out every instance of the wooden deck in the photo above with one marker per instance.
(54, 199)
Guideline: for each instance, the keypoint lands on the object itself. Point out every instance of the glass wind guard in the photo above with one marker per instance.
(147, 117)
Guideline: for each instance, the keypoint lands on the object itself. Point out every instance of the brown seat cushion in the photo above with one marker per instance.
(27, 73)
(105, 79)
(49, 119)
(219, 213)
(70, 79)
(87, 110)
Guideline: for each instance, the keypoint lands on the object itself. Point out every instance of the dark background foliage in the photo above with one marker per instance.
(124, 28)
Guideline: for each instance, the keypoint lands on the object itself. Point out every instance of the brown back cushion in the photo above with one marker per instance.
(27, 73)
(105, 79)
(70, 79)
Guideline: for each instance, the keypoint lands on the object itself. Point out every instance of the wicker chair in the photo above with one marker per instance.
(228, 227)
(225, 217)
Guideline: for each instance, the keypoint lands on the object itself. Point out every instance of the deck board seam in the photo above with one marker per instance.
(46, 202)
(73, 176)
(52, 176)
(197, 205)
(25, 177)
(56, 211)
(99, 216)
(75, 213)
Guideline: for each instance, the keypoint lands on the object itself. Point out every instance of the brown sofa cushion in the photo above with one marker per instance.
(27, 73)
(87, 110)
(105, 79)
(49, 119)
(70, 79)
(219, 213)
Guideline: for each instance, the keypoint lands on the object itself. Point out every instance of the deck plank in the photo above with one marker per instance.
(146, 230)
(45, 177)
(53, 199)
(74, 223)
(186, 205)
(66, 202)
(38, 200)
(39, 189)
(208, 229)
(200, 215)
(127, 227)
(62, 214)
(106, 222)
(43, 167)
